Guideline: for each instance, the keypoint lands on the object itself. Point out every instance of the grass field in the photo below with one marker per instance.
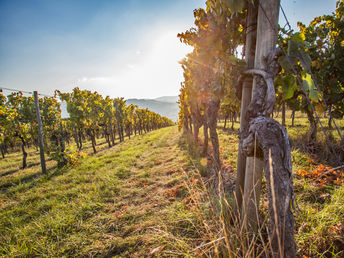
(115, 202)
(133, 199)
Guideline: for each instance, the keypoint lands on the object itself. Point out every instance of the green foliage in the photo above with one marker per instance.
(324, 38)
(309, 87)
(287, 84)
(66, 158)
(298, 61)
(209, 71)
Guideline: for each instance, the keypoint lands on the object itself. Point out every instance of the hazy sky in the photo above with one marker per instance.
(123, 48)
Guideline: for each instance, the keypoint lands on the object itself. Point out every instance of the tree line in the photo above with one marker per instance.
(91, 117)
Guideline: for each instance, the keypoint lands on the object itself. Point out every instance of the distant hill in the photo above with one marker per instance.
(165, 106)
(168, 99)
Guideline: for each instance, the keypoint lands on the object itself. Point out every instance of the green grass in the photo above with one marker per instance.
(133, 197)
(112, 204)
(320, 223)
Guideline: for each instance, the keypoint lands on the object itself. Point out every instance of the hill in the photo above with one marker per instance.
(165, 106)
(168, 99)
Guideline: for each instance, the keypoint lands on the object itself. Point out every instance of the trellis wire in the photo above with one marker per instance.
(299, 81)
(31, 92)
(27, 92)
(316, 85)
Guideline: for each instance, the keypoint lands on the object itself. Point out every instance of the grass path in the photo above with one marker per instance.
(116, 202)
(131, 199)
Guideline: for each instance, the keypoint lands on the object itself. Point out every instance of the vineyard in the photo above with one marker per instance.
(254, 166)
(91, 116)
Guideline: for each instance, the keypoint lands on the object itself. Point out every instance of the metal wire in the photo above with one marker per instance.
(287, 22)
(28, 92)
(299, 81)
(3, 88)
(316, 85)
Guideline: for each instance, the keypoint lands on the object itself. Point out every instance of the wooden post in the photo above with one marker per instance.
(62, 139)
(267, 28)
(283, 114)
(40, 135)
(250, 49)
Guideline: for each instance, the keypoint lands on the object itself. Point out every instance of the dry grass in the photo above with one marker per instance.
(149, 196)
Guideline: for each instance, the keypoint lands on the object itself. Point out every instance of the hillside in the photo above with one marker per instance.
(168, 99)
(165, 106)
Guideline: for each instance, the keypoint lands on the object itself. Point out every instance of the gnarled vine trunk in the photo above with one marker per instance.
(197, 121)
(205, 142)
(76, 137)
(24, 152)
(283, 114)
(273, 141)
(211, 116)
(2, 149)
(112, 134)
(312, 132)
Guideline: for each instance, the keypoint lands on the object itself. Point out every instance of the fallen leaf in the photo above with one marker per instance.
(157, 249)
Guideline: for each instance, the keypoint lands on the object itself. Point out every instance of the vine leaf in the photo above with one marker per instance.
(296, 53)
(287, 63)
(305, 60)
(309, 86)
(289, 86)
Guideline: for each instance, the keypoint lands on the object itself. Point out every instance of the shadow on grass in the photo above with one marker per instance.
(30, 180)
(9, 172)
(229, 130)
(30, 165)
(194, 149)
(321, 151)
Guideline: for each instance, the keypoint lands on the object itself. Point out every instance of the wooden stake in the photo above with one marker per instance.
(40, 135)
(250, 49)
(268, 12)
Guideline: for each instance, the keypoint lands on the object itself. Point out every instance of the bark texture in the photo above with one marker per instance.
(263, 97)
(211, 114)
(205, 142)
(312, 132)
(24, 152)
(273, 142)
(2, 149)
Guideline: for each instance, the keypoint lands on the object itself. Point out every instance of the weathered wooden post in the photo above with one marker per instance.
(40, 135)
(250, 48)
(267, 27)
(267, 142)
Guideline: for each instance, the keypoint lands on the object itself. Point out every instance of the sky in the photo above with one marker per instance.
(120, 48)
